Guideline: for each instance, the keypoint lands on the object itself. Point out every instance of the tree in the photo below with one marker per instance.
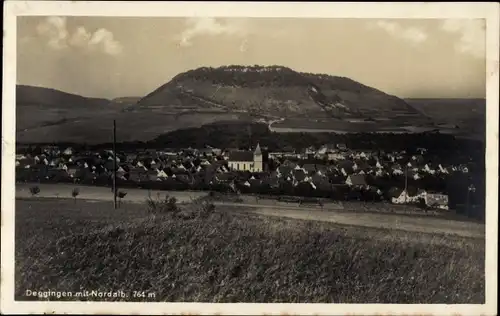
(121, 195)
(75, 193)
(34, 190)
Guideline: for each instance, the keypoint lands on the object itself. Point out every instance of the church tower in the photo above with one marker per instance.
(257, 160)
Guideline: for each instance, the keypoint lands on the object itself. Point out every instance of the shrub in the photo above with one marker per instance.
(75, 193)
(206, 209)
(121, 195)
(165, 206)
(34, 190)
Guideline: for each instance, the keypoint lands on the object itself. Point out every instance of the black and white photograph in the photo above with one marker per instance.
(294, 158)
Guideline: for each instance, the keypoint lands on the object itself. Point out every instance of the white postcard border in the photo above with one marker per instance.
(489, 11)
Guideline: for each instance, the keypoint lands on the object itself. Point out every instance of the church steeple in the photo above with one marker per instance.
(257, 150)
(258, 165)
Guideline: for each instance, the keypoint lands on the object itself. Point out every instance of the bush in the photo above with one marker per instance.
(75, 193)
(34, 190)
(121, 195)
(165, 206)
(206, 209)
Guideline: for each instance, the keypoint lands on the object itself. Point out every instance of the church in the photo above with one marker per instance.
(246, 160)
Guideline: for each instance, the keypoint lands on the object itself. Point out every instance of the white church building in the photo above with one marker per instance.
(246, 160)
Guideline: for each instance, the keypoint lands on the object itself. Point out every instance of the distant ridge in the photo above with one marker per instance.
(31, 95)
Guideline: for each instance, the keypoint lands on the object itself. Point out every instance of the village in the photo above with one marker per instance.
(332, 171)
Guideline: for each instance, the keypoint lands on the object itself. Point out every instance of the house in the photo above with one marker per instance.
(152, 175)
(68, 151)
(131, 157)
(397, 170)
(347, 166)
(299, 175)
(184, 178)
(403, 196)
(321, 169)
(380, 173)
(442, 169)
(336, 156)
(429, 169)
(123, 168)
(56, 174)
(321, 182)
(436, 200)
(137, 174)
(217, 151)
(362, 165)
(246, 160)
(463, 168)
(327, 148)
(309, 168)
(422, 151)
(72, 170)
(356, 180)
(225, 177)
(25, 163)
(285, 170)
(290, 164)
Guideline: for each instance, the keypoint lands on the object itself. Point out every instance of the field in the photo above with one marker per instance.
(140, 125)
(374, 215)
(394, 125)
(234, 256)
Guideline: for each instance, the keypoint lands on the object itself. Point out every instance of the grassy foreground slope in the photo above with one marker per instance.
(237, 258)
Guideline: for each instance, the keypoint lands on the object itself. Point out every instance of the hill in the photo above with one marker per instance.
(30, 95)
(274, 91)
(126, 100)
(37, 107)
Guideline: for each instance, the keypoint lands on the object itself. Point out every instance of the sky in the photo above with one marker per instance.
(112, 57)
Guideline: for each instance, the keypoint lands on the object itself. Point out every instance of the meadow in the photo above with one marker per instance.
(131, 126)
(235, 256)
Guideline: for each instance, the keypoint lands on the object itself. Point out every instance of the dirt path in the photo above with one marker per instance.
(337, 215)
(63, 190)
(389, 221)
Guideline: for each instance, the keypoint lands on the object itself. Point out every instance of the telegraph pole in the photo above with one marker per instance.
(406, 183)
(114, 164)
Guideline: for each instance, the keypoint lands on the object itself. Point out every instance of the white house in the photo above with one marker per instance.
(68, 151)
(397, 172)
(429, 169)
(162, 174)
(442, 170)
(404, 197)
(379, 173)
(335, 156)
(355, 167)
(436, 200)
(356, 180)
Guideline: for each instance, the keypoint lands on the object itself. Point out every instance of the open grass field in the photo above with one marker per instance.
(236, 257)
(375, 215)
